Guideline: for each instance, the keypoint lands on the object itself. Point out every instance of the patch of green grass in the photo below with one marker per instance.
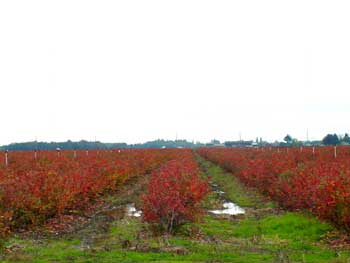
(64, 250)
(233, 188)
(285, 232)
(126, 228)
(291, 236)
(222, 229)
(299, 231)
(295, 226)
(117, 256)
(211, 201)
(321, 256)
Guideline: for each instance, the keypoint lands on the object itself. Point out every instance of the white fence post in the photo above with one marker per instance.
(6, 157)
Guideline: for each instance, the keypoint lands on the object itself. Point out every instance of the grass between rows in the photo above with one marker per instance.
(263, 234)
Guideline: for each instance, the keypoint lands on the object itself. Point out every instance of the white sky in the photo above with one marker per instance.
(140, 70)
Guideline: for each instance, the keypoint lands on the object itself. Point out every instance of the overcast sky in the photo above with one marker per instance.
(140, 70)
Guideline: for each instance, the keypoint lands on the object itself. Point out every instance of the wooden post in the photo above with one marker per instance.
(6, 158)
(58, 152)
(301, 148)
(75, 154)
(87, 152)
(313, 150)
(335, 151)
(35, 154)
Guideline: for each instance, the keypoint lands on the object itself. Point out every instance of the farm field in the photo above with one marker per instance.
(174, 131)
(305, 178)
(98, 206)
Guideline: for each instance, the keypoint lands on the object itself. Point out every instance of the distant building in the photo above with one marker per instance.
(239, 143)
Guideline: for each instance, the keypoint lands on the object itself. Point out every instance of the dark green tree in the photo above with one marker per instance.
(288, 139)
(331, 139)
(346, 138)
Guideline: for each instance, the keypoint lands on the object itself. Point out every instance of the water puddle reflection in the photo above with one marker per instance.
(229, 209)
(132, 211)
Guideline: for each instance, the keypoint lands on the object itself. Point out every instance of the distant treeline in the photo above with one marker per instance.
(70, 145)
(329, 139)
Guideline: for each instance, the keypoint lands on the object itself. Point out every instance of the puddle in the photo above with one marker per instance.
(230, 209)
(132, 211)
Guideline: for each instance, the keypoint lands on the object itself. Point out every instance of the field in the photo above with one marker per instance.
(155, 205)
(317, 180)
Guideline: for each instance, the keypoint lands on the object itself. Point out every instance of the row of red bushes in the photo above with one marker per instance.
(35, 188)
(297, 178)
(175, 193)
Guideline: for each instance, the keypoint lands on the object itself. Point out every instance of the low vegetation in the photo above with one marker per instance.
(265, 233)
(174, 194)
(314, 180)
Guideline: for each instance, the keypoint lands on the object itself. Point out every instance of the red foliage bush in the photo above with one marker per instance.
(175, 193)
(35, 189)
(296, 178)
